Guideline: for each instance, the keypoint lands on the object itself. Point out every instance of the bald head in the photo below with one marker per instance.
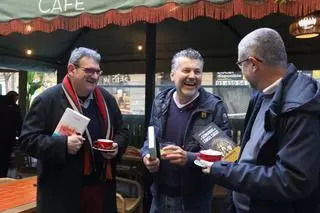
(265, 44)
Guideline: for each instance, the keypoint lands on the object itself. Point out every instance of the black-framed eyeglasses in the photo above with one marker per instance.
(89, 70)
(239, 63)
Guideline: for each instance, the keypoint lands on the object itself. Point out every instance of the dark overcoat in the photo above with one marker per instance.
(60, 174)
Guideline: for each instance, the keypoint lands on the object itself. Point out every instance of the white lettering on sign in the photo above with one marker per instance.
(56, 6)
(40, 8)
(59, 6)
(66, 5)
(79, 3)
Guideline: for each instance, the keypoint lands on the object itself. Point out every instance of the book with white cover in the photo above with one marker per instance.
(152, 142)
(71, 122)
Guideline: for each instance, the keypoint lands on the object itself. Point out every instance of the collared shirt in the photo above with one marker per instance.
(85, 104)
(253, 145)
(180, 106)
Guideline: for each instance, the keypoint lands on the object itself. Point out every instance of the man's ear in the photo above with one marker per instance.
(171, 75)
(71, 69)
(255, 64)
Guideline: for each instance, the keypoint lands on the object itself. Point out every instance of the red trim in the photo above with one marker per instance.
(101, 106)
(251, 10)
(69, 88)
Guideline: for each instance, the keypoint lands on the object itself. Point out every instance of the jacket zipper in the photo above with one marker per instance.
(183, 146)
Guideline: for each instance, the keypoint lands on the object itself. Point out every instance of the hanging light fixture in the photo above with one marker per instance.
(28, 52)
(28, 28)
(306, 27)
(140, 47)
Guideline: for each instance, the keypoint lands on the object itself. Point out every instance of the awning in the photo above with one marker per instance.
(50, 15)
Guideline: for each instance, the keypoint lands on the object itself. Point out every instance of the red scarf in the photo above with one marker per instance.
(102, 107)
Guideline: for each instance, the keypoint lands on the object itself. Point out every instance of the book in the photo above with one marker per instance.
(212, 137)
(233, 155)
(71, 122)
(152, 142)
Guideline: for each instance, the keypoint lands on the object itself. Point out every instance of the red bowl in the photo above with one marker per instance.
(103, 144)
(210, 155)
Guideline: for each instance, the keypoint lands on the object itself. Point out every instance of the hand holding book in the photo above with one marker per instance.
(71, 122)
(74, 143)
(212, 137)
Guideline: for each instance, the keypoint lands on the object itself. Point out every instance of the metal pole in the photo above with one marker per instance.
(150, 69)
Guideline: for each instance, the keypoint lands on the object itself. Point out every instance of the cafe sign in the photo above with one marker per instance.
(60, 6)
(30, 9)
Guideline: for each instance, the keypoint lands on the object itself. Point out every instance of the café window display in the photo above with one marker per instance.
(9, 81)
(230, 86)
(128, 90)
(37, 82)
(235, 91)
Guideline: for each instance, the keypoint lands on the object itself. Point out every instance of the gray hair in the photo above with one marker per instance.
(188, 53)
(81, 52)
(265, 44)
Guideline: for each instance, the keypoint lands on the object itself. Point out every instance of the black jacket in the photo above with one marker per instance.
(196, 187)
(285, 177)
(60, 174)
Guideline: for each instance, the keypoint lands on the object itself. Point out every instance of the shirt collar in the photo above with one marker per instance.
(180, 106)
(272, 87)
(85, 104)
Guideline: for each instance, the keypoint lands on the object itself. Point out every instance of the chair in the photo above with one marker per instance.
(129, 196)
(23, 163)
(6, 180)
(131, 165)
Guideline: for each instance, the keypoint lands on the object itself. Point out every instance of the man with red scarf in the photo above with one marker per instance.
(73, 177)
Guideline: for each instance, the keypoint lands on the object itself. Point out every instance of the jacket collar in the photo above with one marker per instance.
(282, 89)
(166, 96)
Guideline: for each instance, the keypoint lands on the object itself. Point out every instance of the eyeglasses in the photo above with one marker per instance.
(239, 63)
(89, 70)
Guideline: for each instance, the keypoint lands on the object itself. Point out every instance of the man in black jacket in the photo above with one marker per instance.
(177, 115)
(72, 176)
(278, 169)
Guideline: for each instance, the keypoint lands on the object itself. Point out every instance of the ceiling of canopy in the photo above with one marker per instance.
(213, 29)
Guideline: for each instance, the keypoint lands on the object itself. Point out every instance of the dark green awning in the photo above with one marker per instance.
(30, 9)
(27, 16)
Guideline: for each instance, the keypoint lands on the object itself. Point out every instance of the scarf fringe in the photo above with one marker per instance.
(253, 9)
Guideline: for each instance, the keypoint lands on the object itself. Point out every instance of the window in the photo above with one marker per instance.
(9, 81)
(230, 86)
(39, 82)
(128, 90)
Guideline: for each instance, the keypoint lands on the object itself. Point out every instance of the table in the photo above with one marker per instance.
(18, 196)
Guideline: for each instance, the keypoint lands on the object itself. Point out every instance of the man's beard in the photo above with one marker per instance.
(189, 94)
